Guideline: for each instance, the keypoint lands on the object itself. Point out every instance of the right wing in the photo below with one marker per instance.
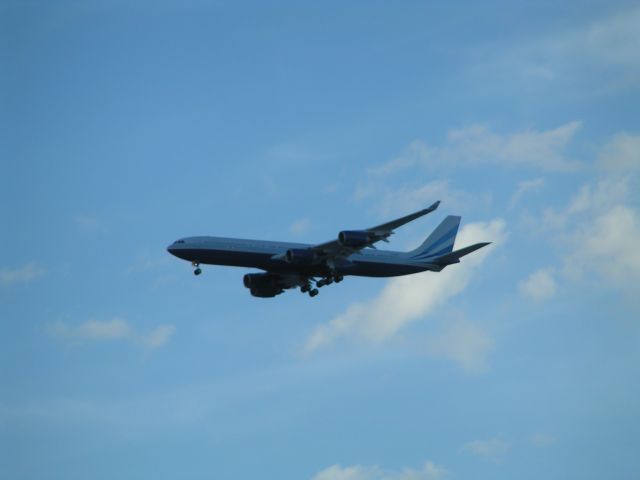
(338, 249)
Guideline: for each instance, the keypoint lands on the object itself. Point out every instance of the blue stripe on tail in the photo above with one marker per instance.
(441, 240)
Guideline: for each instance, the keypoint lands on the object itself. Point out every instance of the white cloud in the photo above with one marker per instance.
(300, 227)
(399, 201)
(542, 440)
(621, 153)
(406, 299)
(539, 286)
(590, 200)
(110, 330)
(478, 145)
(464, 343)
(525, 187)
(149, 260)
(91, 223)
(336, 472)
(600, 228)
(611, 41)
(289, 154)
(416, 153)
(24, 274)
(493, 450)
(475, 145)
(608, 244)
(159, 336)
(540, 149)
(594, 58)
(429, 471)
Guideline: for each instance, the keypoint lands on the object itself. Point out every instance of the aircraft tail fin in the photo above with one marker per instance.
(440, 242)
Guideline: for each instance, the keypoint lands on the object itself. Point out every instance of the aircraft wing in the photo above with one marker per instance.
(366, 238)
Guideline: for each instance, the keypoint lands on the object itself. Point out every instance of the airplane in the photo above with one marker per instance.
(310, 267)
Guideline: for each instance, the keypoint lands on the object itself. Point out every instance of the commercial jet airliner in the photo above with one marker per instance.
(309, 267)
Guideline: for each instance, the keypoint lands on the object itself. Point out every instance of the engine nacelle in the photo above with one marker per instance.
(299, 256)
(354, 238)
(266, 292)
(262, 285)
(258, 280)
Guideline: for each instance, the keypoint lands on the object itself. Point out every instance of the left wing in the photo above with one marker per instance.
(352, 241)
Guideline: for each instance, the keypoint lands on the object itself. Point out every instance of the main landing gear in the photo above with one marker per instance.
(308, 287)
(197, 270)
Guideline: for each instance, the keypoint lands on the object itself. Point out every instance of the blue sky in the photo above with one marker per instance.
(125, 127)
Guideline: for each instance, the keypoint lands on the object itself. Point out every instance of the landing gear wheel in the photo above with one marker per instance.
(197, 271)
(304, 288)
(338, 278)
(313, 293)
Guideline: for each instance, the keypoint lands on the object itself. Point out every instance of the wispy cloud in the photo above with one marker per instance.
(147, 260)
(609, 42)
(621, 153)
(608, 244)
(479, 145)
(599, 229)
(110, 330)
(91, 223)
(404, 300)
(23, 274)
(429, 471)
(289, 154)
(492, 450)
(159, 336)
(597, 57)
(542, 440)
(465, 343)
(300, 227)
(397, 201)
(540, 285)
(525, 187)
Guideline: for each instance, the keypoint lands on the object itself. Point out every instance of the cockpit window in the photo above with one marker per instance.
(179, 241)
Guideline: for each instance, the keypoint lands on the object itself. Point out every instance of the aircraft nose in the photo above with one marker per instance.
(174, 248)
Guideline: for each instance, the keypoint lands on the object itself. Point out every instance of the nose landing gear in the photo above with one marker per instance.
(197, 270)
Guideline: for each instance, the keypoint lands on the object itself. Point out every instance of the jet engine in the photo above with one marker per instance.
(259, 280)
(354, 238)
(266, 292)
(299, 256)
(262, 285)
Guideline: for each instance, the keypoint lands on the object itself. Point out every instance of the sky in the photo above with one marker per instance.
(128, 125)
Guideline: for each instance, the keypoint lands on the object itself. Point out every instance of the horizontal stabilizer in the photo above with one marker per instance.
(454, 257)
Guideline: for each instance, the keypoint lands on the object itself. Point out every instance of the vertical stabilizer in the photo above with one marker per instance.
(441, 240)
